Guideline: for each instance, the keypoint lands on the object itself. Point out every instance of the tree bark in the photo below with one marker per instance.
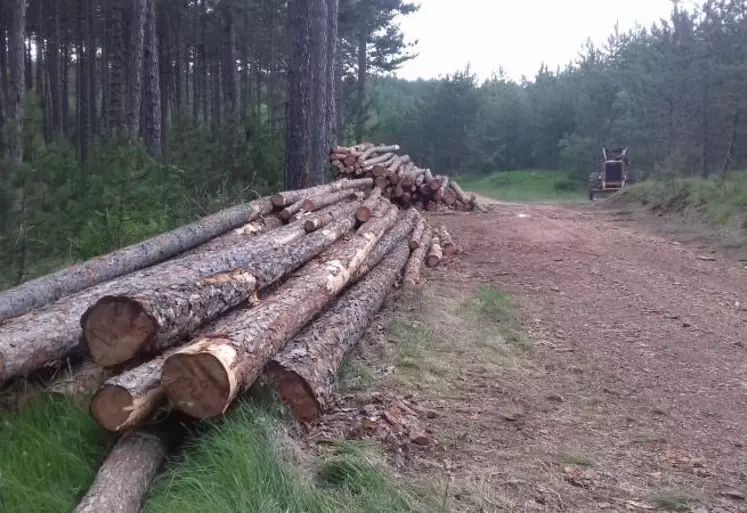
(299, 151)
(417, 234)
(365, 213)
(460, 194)
(319, 100)
(322, 218)
(153, 114)
(394, 237)
(417, 258)
(305, 370)
(16, 37)
(362, 72)
(123, 480)
(120, 328)
(135, 68)
(314, 203)
(47, 289)
(447, 242)
(203, 379)
(332, 58)
(435, 254)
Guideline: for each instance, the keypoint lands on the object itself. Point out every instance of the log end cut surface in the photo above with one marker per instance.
(198, 384)
(295, 392)
(111, 407)
(115, 329)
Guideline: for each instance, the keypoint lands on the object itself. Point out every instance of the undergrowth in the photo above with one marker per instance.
(50, 451)
(526, 185)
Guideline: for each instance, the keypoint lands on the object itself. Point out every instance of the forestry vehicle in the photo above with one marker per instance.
(614, 175)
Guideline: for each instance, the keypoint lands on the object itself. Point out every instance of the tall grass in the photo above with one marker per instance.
(526, 185)
(49, 453)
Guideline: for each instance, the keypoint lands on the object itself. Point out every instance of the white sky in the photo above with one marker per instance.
(517, 34)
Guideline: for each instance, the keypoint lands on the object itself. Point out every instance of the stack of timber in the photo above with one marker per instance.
(281, 288)
(397, 178)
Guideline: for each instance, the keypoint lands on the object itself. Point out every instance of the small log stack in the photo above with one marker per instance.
(282, 287)
(399, 179)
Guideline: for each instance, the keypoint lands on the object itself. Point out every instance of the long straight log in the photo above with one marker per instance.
(291, 210)
(435, 253)
(41, 291)
(284, 199)
(377, 160)
(365, 213)
(305, 370)
(43, 337)
(395, 237)
(447, 242)
(120, 328)
(417, 234)
(315, 203)
(203, 378)
(327, 215)
(378, 149)
(417, 258)
(124, 478)
(262, 225)
(460, 194)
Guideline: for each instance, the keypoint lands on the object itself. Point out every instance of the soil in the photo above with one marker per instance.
(633, 396)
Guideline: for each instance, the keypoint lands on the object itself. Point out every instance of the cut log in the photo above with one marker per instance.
(44, 337)
(41, 291)
(127, 400)
(124, 478)
(203, 378)
(447, 242)
(315, 203)
(435, 254)
(417, 234)
(327, 215)
(262, 225)
(460, 194)
(291, 210)
(381, 182)
(393, 238)
(305, 370)
(120, 328)
(378, 149)
(284, 199)
(81, 382)
(379, 171)
(366, 211)
(377, 160)
(417, 258)
(428, 175)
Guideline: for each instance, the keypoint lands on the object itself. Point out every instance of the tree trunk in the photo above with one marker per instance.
(417, 258)
(318, 118)
(116, 92)
(299, 149)
(305, 370)
(417, 234)
(16, 37)
(362, 73)
(284, 199)
(435, 254)
(331, 95)
(123, 480)
(447, 242)
(396, 236)
(732, 144)
(153, 114)
(120, 328)
(54, 70)
(323, 218)
(314, 203)
(46, 289)
(203, 379)
(135, 68)
(365, 213)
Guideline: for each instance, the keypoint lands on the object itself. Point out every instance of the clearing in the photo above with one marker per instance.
(570, 362)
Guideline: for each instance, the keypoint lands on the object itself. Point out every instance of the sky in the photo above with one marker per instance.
(518, 35)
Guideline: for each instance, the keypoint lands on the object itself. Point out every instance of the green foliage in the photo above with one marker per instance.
(496, 307)
(51, 450)
(526, 185)
(240, 463)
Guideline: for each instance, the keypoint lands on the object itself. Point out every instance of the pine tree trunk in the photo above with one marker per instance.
(153, 114)
(135, 68)
(203, 378)
(286, 198)
(17, 89)
(124, 478)
(299, 151)
(54, 70)
(305, 370)
(319, 124)
(398, 235)
(362, 74)
(417, 258)
(151, 320)
(116, 51)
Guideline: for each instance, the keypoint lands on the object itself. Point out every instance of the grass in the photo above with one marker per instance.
(526, 186)
(495, 310)
(675, 501)
(720, 203)
(243, 463)
(51, 450)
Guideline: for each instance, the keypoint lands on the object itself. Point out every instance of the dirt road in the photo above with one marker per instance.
(634, 396)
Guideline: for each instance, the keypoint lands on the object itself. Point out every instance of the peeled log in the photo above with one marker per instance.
(120, 328)
(203, 378)
(315, 203)
(305, 370)
(45, 336)
(365, 213)
(417, 234)
(124, 478)
(41, 291)
(289, 197)
(415, 264)
(435, 254)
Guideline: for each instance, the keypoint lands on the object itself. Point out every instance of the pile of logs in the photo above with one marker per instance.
(282, 287)
(398, 178)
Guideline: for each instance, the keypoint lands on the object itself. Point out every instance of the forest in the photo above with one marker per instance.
(123, 119)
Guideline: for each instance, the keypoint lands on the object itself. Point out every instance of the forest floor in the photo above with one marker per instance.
(571, 359)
